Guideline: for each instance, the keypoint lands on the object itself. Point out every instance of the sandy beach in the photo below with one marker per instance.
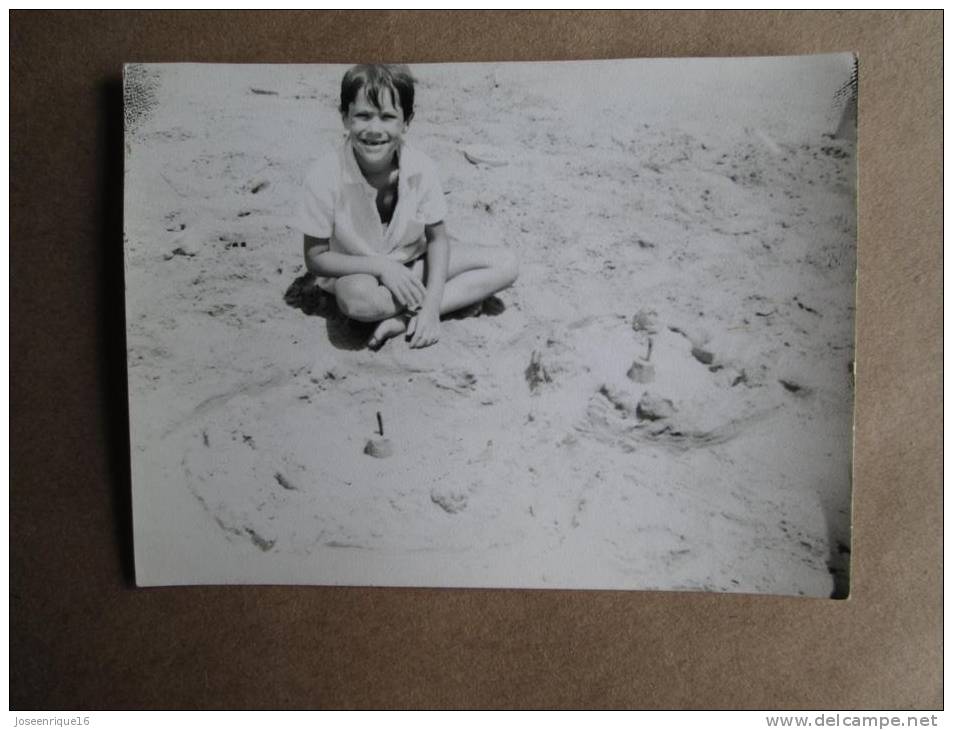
(662, 401)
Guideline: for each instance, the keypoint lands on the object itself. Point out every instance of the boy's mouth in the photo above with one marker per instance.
(373, 144)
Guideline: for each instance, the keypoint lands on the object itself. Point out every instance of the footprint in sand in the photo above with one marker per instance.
(459, 381)
(449, 500)
(463, 382)
(536, 373)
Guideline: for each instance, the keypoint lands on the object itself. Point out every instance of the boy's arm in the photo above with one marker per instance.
(320, 260)
(425, 328)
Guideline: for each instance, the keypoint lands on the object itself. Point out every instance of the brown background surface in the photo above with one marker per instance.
(83, 637)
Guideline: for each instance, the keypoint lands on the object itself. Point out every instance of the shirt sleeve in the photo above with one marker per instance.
(432, 206)
(316, 207)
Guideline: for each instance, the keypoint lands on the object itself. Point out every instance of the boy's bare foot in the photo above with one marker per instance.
(386, 329)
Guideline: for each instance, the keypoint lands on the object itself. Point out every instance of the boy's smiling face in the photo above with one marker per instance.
(375, 132)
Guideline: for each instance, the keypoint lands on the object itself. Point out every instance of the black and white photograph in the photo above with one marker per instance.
(551, 325)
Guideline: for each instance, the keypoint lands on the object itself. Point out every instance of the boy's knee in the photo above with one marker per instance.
(358, 298)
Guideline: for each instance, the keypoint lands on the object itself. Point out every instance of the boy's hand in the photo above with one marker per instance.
(424, 329)
(407, 289)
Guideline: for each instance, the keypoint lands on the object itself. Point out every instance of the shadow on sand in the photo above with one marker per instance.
(343, 333)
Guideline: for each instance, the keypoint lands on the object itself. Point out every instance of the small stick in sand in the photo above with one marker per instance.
(379, 448)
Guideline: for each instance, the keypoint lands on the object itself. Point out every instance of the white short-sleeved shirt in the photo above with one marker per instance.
(340, 205)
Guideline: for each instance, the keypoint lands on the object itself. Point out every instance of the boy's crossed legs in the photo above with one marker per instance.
(474, 273)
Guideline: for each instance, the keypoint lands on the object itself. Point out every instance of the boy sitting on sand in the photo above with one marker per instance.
(373, 220)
